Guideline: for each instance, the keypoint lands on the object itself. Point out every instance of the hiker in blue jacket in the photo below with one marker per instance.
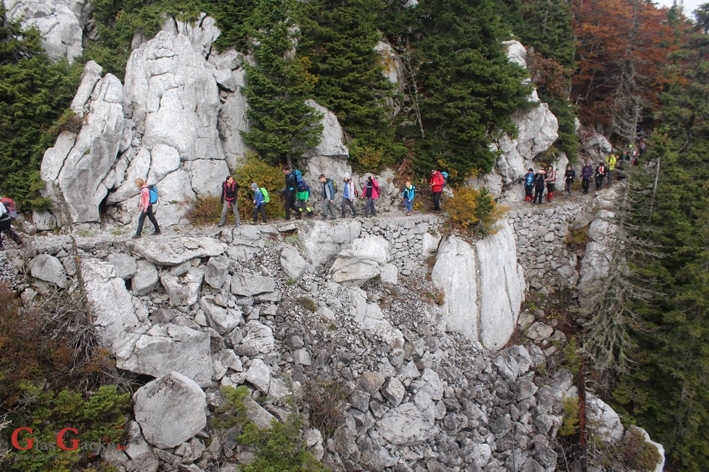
(408, 195)
(259, 203)
(328, 197)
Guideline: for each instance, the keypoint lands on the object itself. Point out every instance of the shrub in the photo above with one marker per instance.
(280, 448)
(474, 210)
(638, 454)
(325, 402)
(572, 358)
(266, 176)
(308, 304)
(577, 237)
(233, 411)
(570, 419)
(205, 211)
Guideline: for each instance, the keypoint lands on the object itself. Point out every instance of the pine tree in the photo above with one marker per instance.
(340, 38)
(668, 393)
(282, 125)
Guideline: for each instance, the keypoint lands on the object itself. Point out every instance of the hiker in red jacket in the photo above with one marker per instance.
(437, 182)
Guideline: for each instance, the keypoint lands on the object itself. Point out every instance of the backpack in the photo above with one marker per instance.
(266, 198)
(299, 182)
(409, 193)
(529, 181)
(154, 195)
(445, 178)
(334, 187)
(8, 207)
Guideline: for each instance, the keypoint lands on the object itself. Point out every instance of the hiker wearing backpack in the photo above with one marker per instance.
(539, 181)
(437, 182)
(370, 192)
(259, 203)
(528, 185)
(327, 194)
(302, 197)
(349, 193)
(408, 195)
(230, 190)
(290, 192)
(611, 161)
(551, 182)
(586, 175)
(600, 175)
(145, 204)
(569, 177)
(8, 212)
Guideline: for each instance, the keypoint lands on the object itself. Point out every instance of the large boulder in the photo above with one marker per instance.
(599, 249)
(332, 139)
(363, 260)
(258, 340)
(322, 240)
(405, 425)
(292, 262)
(176, 348)
(483, 287)
(60, 23)
(183, 290)
(48, 268)
(175, 251)
(170, 410)
(75, 168)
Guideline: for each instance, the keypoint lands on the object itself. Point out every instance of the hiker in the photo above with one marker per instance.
(370, 192)
(551, 182)
(539, 181)
(146, 208)
(600, 175)
(259, 203)
(328, 197)
(586, 175)
(437, 181)
(611, 161)
(569, 177)
(230, 191)
(302, 198)
(290, 191)
(528, 185)
(8, 212)
(408, 195)
(349, 193)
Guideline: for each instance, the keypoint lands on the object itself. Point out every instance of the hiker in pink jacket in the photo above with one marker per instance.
(370, 192)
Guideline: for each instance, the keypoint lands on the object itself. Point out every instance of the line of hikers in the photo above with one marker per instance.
(612, 168)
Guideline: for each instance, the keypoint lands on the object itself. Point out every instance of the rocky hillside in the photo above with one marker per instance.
(442, 367)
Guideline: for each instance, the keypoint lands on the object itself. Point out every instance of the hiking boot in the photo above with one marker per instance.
(135, 236)
(220, 224)
(155, 233)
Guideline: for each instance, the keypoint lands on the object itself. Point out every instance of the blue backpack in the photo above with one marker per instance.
(154, 195)
(300, 184)
(445, 178)
(529, 181)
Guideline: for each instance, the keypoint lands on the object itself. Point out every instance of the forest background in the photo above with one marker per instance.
(616, 65)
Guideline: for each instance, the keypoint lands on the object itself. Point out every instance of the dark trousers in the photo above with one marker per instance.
(151, 217)
(349, 203)
(599, 181)
(437, 201)
(538, 192)
(5, 227)
(585, 184)
(290, 204)
(262, 211)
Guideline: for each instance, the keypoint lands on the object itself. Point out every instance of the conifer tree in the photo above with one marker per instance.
(282, 125)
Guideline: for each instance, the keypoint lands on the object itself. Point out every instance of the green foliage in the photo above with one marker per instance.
(308, 304)
(577, 236)
(266, 176)
(572, 357)
(474, 210)
(99, 418)
(233, 411)
(282, 125)
(570, 416)
(638, 454)
(280, 448)
(205, 210)
(33, 95)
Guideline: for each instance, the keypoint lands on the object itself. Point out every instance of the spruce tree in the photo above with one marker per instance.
(282, 125)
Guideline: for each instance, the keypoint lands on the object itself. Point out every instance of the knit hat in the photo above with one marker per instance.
(347, 177)
(254, 186)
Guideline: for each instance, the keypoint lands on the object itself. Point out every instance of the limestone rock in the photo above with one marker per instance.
(259, 375)
(259, 339)
(123, 265)
(221, 319)
(292, 262)
(248, 285)
(362, 261)
(659, 447)
(207, 175)
(217, 271)
(48, 268)
(605, 421)
(175, 251)
(369, 316)
(331, 142)
(405, 425)
(321, 240)
(183, 290)
(595, 145)
(170, 410)
(257, 413)
(182, 350)
(145, 279)
(394, 391)
(110, 302)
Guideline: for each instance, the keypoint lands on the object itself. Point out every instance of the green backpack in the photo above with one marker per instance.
(266, 198)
